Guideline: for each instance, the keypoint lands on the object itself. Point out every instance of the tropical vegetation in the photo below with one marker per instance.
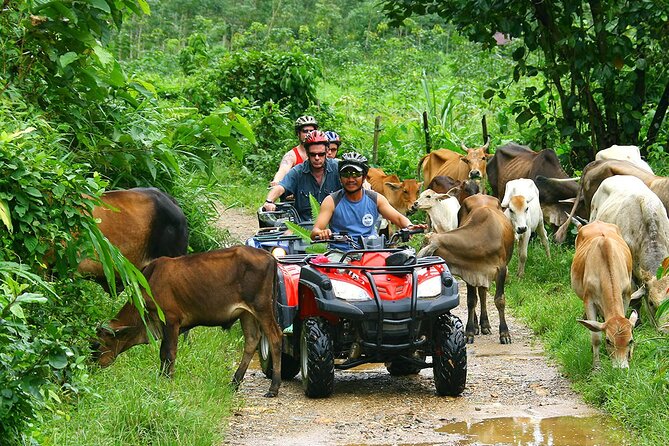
(198, 97)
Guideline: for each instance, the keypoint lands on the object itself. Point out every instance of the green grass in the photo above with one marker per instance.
(133, 405)
(639, 397)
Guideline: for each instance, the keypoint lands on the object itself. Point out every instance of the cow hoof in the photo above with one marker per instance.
(505, 339)
(486, 330)
(271, 394)
(470, 338)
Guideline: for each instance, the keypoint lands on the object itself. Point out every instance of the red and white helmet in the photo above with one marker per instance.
(316, 137)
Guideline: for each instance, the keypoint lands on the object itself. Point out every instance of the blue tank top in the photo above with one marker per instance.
(356, 218)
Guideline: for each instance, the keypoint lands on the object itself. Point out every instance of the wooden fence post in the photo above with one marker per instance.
(375, 147)
(426, 129)
(484, 127)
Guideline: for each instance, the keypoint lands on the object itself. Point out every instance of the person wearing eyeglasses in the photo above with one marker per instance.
(353, 209)
(316, 176)
(298, 154)
(335, 143)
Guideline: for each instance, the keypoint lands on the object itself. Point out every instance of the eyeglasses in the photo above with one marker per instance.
(316, 155)
(333, 149)
(350, 174)
(306, 130)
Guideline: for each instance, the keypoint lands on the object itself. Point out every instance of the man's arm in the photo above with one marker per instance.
(274, 193)
(287, 163)
(324, 216)
(390, 213)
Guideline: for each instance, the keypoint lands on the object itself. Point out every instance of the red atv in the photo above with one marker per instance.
(373, 304)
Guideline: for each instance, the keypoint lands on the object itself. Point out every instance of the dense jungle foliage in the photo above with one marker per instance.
(194, 96)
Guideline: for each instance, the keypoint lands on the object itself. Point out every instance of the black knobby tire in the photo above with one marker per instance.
(402, 367)
(290, 366)
(317, 358)
(450, 356)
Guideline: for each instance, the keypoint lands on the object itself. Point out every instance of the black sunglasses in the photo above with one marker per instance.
(350, 174)
(314, 155)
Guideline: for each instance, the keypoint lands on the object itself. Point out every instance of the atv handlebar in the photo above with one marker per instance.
(402, 235)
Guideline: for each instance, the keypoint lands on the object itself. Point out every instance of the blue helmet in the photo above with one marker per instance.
(333, 137)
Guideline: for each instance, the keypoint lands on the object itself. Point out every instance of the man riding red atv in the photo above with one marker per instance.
(368, 301)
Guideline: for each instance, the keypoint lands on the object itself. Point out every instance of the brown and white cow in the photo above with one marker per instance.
(601, 275)
(401, 194)
(471, 165)
(478, 251)
(627, 202)
(143, 223)
(597, 171)
(212, 289)
(521, 204)
(512, 161)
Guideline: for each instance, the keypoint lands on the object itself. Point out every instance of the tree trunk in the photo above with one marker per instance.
(656, 123)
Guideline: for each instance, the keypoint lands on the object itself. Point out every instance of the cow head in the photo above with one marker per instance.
(476, 160)
(618, 336)
(428, 199)
(112, 341)
(518, 209)
(402, 195)
(657, 292)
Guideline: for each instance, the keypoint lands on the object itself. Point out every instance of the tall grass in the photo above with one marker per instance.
(134, 405)
(638, 397)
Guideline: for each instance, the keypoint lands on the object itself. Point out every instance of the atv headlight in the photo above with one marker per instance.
(430, 288)
(348, 291)
(278, 252)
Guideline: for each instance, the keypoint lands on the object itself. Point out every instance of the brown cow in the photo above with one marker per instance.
(212, 289)
(513, 161)
(597, 171)
(601, 275)
(478, 251)
(401, 194)
(472, 165)
(143, 223)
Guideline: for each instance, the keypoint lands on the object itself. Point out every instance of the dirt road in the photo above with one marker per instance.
(371, 407)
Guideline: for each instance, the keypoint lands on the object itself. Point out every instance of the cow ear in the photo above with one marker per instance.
(393, 186)
(442, 197)
(634, 317)
(592, 325)
(505, 201)
(452, 192)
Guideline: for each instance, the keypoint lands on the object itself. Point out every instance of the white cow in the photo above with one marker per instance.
(522, 206)
(627, 202)
(624, 153)
(442, 209)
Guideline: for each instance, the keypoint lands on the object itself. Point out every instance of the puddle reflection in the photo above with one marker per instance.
(558, 431)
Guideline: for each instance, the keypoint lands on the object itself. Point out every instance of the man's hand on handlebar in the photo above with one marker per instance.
(269, 206)
(321, 234)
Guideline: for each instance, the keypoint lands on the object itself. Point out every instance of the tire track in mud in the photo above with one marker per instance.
(371, 407)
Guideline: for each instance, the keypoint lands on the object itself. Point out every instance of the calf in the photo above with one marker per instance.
(443, 184)
(657, 292)
(441, 208)
(143, 223)
(212, 289)
(401, 194)
(471, 165)
(601, 276)
(478, 251)
(521, 201)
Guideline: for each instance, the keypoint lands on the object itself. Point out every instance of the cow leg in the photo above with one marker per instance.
(595, 336)
(500, 303)
(472, 323)
(543, 236)
(168, 348)
(273, 333)
(251, 339)
(522, 252)
(485, 322)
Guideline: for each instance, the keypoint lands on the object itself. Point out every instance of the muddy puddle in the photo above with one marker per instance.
(558, 431)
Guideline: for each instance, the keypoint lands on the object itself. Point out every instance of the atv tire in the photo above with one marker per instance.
(317, 358)
(449, 360)
(290, 366)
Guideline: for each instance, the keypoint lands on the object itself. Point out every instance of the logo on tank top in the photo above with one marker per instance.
(368, 220)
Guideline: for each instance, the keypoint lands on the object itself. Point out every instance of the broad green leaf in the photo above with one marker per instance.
(5, 216)
(31, 298)
(58, 360)
(101, 5)
(68, 58)
(103, 55)
(243, 127)
(17, 311)
(146, 9)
